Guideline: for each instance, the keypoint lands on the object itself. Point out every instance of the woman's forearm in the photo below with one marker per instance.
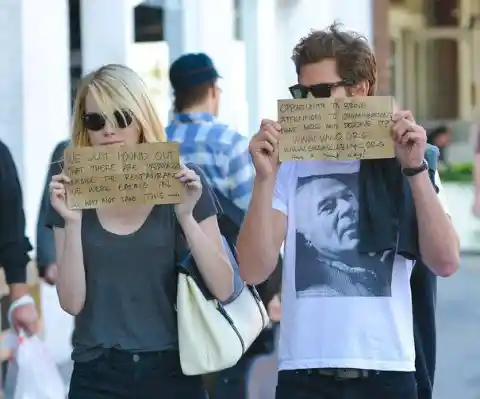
(71, 285)
(212, 263)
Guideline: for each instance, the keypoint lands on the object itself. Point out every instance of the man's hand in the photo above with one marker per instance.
(51, 274)
(25, 318)
(264, 149)
(23, 314)
(410, 140)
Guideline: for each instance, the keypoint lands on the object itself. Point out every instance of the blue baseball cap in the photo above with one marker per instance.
(192, 70)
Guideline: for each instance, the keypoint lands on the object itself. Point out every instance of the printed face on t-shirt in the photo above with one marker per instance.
(329, 203)
(327, 261)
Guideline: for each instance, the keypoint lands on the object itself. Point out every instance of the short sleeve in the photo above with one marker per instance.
(441, 193)
(280, 194)
(205, 206)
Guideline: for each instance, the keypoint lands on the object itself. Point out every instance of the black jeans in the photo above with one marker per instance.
(305, 384)
(232, 383)
(124, 375)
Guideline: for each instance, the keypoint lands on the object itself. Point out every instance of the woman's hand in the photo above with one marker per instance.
(58, 198)
(193, 191)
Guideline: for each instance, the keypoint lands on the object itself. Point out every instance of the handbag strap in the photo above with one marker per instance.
(183, 256)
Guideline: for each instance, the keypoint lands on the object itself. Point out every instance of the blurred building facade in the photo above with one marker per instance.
(435, 57)
(435, 66)
(48, 44)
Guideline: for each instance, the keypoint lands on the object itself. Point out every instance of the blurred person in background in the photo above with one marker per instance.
(423, 283)
(223, 155)
(440, 137)
(221, 152)
(232, 383)
(14, 246)
(46, 258)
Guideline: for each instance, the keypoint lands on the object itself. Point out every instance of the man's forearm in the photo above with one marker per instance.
(438, 241)
(17, 291)
(255, 246)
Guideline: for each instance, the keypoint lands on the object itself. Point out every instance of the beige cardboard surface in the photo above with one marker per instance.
(141, 174)
(341, 129)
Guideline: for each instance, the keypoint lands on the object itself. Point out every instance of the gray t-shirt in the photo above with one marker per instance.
(131, 282)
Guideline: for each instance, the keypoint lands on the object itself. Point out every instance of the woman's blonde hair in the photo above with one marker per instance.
(116, 87)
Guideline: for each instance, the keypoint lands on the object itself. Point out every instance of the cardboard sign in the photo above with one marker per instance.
(141, 174)
(336, 129)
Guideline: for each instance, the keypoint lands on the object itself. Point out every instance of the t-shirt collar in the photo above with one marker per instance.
(194, 117)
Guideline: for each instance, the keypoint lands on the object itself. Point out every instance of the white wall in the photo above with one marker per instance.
(208, 26)
(34, 88)
(273, 28)
(150, 60)
(356, 16)
(107, 32)
(259, 22)
(298, 18)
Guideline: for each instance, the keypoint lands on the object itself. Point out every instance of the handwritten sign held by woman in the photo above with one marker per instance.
(336, 129)
(140, 174)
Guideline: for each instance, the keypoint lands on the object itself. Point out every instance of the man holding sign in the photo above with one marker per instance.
(354, 200)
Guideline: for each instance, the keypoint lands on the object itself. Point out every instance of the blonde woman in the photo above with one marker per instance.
(116, 264)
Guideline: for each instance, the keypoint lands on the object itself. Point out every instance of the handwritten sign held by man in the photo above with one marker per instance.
(140, 174)
(336, 129)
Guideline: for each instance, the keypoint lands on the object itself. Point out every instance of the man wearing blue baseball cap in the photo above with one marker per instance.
(221, 152)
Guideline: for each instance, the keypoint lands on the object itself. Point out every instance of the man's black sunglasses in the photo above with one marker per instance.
(321, 90)
(96, 121)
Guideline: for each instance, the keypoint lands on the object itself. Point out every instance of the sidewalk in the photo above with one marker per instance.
(460, 200)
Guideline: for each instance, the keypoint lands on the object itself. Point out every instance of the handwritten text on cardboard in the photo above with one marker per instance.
(141, 174)
(336, 129)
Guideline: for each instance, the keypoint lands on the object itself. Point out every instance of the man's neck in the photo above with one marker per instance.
(197, 109)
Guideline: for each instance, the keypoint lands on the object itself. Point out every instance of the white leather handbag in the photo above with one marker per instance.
(213, 335)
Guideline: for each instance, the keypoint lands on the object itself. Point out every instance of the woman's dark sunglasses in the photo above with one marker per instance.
(321, 90)
(96, 121)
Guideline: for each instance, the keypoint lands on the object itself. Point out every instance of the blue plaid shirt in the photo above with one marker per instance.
(221, 152)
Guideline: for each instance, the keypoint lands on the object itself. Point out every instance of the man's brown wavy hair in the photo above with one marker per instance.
(351, 51)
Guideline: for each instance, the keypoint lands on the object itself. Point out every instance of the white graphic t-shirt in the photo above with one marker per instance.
(340, 308)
